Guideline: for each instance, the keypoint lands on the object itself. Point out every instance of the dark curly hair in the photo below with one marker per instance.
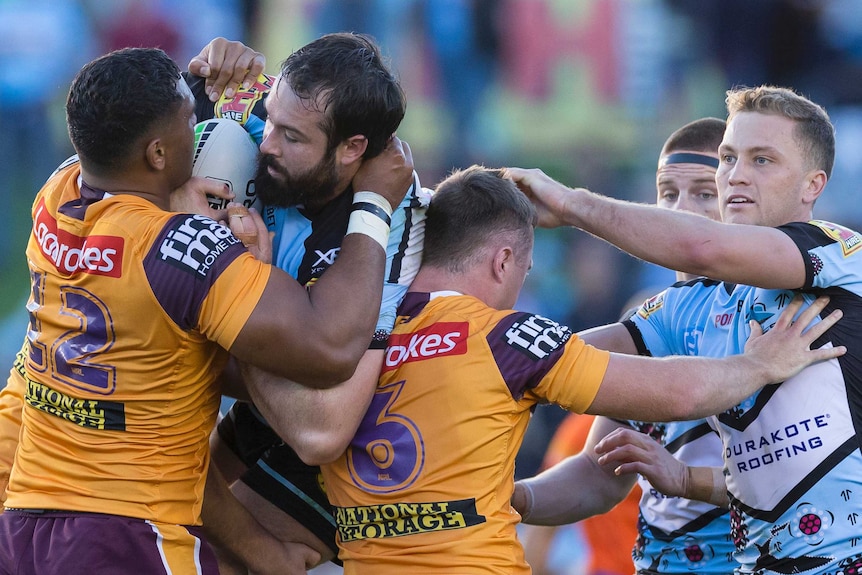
(344, 76)
(116, 99)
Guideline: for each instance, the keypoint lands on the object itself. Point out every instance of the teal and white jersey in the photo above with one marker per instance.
(677, 535)
(791, 451)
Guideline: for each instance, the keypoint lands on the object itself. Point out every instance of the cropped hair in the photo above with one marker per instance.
(345, 75)
(468, 209)
(702, 135)
(814, 132)
(116, 99)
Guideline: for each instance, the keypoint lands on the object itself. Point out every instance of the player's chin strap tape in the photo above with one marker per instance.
(371, 215)
(690, 158)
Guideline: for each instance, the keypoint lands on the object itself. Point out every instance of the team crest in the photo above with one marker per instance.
(848, 239)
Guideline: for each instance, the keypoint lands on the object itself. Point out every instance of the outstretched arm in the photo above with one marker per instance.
(674, 239)
(683, 388)
(576, 488)
(629, 452)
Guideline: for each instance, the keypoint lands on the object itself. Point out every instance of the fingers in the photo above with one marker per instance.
(242, 224)
(227, 65)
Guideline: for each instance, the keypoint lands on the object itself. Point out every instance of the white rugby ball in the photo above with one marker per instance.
(224, 151)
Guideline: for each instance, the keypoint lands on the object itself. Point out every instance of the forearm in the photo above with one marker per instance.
(571, 491)
(707, 484)
(317, 423)
(228, 525)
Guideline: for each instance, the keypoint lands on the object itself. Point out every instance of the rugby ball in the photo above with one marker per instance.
(224, 151)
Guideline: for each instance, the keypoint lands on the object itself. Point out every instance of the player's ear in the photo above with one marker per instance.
(503, 262)
(816, 183)
(156, 154)
(352, 149)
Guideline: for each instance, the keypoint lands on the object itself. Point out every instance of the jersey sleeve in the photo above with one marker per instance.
(831, 254)
(543, 361)
(403, 257)
(649, 327)
(204, 278)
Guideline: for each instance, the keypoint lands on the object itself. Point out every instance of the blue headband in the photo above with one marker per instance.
(689, 158)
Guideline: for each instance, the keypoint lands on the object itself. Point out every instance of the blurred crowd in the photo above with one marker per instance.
(585, 90)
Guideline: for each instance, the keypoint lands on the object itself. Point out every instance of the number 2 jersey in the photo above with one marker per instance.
(425, 485)
(131, 310)
(792, 450)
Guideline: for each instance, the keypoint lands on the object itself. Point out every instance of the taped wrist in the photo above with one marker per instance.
(371, 215)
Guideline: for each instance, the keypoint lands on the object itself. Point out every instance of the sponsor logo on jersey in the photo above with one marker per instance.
(536, 336)
(238, 108)
(848, 239)
(91, 413)
(778, 444)
(325, 259)
(195, 242)
(441, 339)
(72, 254)
(651, 306)
(398, 519)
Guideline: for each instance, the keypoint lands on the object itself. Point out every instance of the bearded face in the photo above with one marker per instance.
(311, 188)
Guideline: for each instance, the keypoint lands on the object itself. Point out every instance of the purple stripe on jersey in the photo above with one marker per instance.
(525, 347)
(185, 261)
(77, 208)
(413, 303)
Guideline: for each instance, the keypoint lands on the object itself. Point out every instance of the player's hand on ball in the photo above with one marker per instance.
(191, 197)
(227, 65)
(247, 225)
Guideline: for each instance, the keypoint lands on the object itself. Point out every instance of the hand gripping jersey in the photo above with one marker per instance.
(425, 485)
(678, 535)
(130, 312)
(791, 451)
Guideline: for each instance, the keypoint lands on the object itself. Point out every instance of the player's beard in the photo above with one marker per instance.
(312, 188)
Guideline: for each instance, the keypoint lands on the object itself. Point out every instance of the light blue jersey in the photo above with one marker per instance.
(306, 244)
(791, 451)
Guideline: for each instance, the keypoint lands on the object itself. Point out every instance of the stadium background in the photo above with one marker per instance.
(585, 89)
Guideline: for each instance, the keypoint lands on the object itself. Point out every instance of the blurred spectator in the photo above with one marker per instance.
(463, 40)
(44, 43)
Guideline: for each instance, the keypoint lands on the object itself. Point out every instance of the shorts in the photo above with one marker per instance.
(71, 543)
(276, 473)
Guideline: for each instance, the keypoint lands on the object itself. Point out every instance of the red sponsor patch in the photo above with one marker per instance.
(440, 339)
(71, 254)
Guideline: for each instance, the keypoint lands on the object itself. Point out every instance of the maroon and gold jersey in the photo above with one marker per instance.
(131, 311)
(11, 405)
(425, 485)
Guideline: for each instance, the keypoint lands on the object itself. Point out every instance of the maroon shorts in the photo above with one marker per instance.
(64, 543)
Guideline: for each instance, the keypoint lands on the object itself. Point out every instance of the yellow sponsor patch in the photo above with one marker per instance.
(651, 305)
(398, 519)
(92, 413)
(848, 239)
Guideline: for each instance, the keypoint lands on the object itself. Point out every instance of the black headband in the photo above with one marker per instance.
(689, 158)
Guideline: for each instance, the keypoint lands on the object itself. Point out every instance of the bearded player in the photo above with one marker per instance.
(339, 106)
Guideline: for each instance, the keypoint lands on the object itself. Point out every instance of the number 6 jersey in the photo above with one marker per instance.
(426, 482)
